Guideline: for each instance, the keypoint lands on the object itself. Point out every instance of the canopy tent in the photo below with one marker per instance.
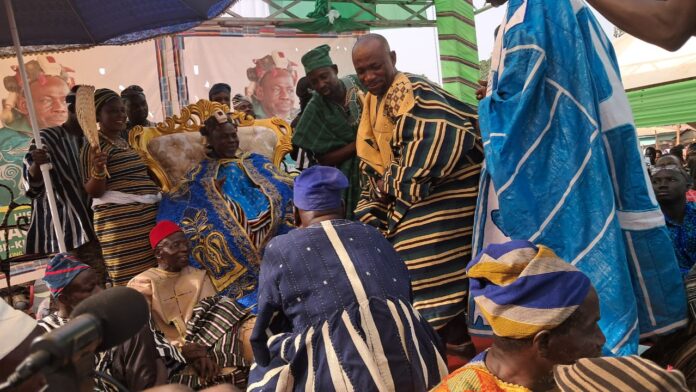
(454, 20)
(38, 26)
(661, 85)
(43, 25)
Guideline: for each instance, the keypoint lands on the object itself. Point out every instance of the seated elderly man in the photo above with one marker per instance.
(543, 312)
(335, 305)
(207, 329)
(135, 363)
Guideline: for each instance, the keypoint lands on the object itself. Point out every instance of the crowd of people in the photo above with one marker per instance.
(360, 273)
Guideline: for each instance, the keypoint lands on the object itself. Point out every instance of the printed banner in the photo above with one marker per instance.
(51, 77)
(261, 68)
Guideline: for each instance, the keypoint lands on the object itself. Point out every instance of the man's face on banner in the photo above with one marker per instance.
(276, 92)
(49, 101)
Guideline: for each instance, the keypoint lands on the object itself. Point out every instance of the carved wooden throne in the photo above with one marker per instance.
(174, 146)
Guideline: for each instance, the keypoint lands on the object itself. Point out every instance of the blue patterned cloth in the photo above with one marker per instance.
(335, 314)
(224, 241)
(684, 238)
(563, 169)
(241, 190)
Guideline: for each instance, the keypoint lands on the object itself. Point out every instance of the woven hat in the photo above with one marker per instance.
(605, 374)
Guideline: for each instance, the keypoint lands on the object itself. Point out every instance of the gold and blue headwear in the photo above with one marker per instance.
(522, 289)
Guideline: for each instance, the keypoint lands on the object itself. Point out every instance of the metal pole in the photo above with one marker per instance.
(45, 169)
(678, 135)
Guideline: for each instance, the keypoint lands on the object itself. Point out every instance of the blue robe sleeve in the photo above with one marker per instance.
(270, 303)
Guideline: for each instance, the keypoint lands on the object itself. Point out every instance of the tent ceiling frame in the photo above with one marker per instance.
(282, 9)
(416, 14)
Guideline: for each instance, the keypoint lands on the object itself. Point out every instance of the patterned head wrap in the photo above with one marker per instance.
(604, 374)
(522, 289)
(269, 64)
(62, 269)
(39, 71)
(103, 96)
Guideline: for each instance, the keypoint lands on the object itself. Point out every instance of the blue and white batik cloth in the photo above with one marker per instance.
(335, 314)
(563, 168)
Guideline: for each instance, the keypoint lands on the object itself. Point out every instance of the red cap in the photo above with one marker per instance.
(162, 230)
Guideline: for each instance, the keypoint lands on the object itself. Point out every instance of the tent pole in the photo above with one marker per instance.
(45, 169)
(678, 135)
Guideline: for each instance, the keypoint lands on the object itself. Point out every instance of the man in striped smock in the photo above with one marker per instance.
(421, 160)
(61, 147)
(334, 305)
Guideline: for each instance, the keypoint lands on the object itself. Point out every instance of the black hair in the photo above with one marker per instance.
(132, 90)
(217, 88)
(303, 90)
(678, 151)
(691, 149)
(71, 98)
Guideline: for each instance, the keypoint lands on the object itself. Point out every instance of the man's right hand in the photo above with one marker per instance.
(40, 156)
(197, 356)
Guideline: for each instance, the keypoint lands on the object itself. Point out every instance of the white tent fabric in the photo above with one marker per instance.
(643, 64)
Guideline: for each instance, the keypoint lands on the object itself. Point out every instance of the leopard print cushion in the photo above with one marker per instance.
(178, 153)
(260, 140)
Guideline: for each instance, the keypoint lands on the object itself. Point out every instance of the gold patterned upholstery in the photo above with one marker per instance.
(174, 146)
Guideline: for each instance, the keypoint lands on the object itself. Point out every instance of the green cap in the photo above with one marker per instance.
(317, 58)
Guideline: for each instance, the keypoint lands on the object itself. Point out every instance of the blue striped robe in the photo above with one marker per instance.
(563, 168)
(335, 315)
